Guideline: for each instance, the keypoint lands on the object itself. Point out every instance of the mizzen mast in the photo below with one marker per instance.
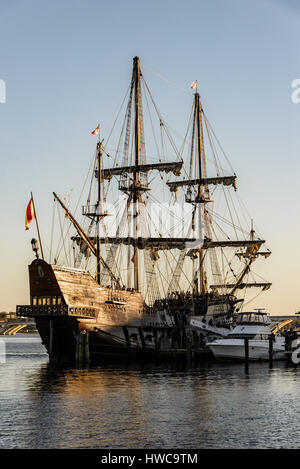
(198, 194)
(200, 199)
(197, 197)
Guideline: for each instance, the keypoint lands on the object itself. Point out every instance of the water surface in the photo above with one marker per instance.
(211, 405)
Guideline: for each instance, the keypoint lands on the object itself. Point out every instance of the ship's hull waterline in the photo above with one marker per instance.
(60, 340)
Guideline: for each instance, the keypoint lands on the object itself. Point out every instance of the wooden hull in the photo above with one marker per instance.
(68, 303)
(59, 336)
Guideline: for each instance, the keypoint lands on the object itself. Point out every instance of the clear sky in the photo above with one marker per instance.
(66, 65)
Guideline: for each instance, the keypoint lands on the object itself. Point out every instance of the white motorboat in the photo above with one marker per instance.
(254, 326)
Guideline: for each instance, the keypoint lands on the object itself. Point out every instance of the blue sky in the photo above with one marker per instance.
(67, 64)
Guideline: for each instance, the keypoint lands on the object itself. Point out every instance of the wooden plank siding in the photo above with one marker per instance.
(79, 289)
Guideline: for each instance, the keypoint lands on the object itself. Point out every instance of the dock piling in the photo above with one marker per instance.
(82, 350)
(271, 349)
(246, 344)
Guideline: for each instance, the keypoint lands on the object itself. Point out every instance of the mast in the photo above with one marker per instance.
(95, 212)
(200, 199)
(136, 174)
(85, 238)
(98, 210)
(199, 127)
(133, 181)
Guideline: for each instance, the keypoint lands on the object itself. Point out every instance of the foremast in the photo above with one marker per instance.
(99, 213)
(87, 240)
(96, 212)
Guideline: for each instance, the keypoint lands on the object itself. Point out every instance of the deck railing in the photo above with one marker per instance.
(54, 310)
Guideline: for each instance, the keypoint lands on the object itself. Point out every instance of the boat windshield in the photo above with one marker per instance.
(253, 318)
(240, 336)
(248, 336)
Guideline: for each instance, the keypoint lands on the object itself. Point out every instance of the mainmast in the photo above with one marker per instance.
(137, 187)
(136, 175)
(133, 181)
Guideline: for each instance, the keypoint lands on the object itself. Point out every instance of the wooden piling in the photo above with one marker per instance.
(271, 349)
(82, 350)
(180, 338)
(87, 349)
(126, 334)
(156, 340)
(78, 350)
(184, 338)
(246, 343)
(51, 335)
(142, 337)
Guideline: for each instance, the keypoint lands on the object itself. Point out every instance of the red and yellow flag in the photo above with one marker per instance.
(30, 215)
(96, 131)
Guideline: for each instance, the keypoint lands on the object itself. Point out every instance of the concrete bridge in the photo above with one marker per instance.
(285, 323)
(15, 327)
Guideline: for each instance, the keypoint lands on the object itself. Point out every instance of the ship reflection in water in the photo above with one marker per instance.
(157, 406)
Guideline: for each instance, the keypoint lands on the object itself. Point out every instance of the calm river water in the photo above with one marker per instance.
(210, 405)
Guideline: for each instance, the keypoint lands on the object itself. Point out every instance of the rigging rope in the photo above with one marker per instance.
(166, 80)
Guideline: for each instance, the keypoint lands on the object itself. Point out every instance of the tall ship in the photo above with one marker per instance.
(160, 263)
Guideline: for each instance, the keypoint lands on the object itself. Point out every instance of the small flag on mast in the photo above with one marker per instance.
(194, 85)
(30, 215)
(96, 131)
